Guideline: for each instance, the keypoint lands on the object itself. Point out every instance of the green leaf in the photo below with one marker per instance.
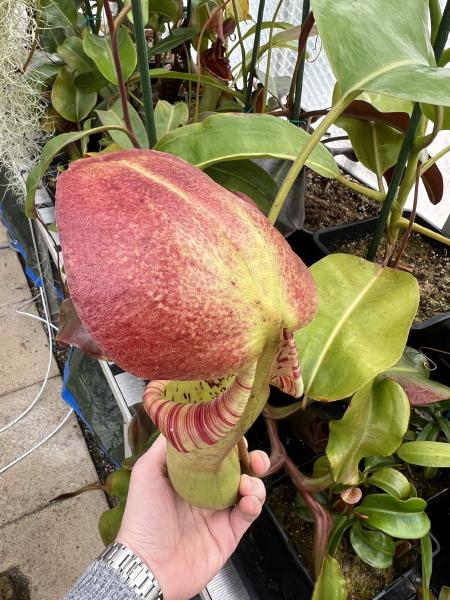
(373, 547)
(60, 14)
(136, 124)
(176, 38)
(383, 47)
(426, 552)
(375, 463)
(429, 112)
(444, 593)
(74, 56)
(42, 75)
(412, 373)
(330, 584)
(51, 149)
(374, 423)
(444, 424)
(169, 116)
(340, 525)
(93, 81)
(426, 454)
(205, 79)
(236, 136)
(364, 316)
(391, 481)
(71, 102)
(169, 8)
(99, 49)
(404, 519)
(246, 177)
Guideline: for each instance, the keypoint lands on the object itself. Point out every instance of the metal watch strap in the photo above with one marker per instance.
(132, 570)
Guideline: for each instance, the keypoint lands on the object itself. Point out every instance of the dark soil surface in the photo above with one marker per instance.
(428, 261)
(363, 581)
(328, 202)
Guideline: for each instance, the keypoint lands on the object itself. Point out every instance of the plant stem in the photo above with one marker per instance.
(404, 223)
(117, 65)
(307, 23)
(89, 16)
(26, 64)
(269, 55)
(277, 450)
(301, 159)
(252, 70)
(322, 520)
(98, 17)
(435, 18)
(434, 159)
(240, 41)
(424, 141)
(141, 47)
(406, 185)
(361, 189)
(407, 233)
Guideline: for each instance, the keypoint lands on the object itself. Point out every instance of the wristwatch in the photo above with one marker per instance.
(132, 570)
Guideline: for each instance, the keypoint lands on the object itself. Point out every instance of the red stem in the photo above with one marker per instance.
(302, 39)
(322, 519)
(407, 233)
(277, 450)
(113, 29)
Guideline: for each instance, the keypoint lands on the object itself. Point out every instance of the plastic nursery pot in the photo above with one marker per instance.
(303, 244)
(272, 570)
(432, 333)
(268, 564)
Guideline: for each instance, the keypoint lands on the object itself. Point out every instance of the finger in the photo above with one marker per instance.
(243, 515)
(155, 455)
(259, 462)
(252, 486)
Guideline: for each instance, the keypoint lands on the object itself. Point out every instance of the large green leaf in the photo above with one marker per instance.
(383, 47)
(412, 374)
(235, 136)
(426, 454)
(426, 551)
(404, 519)
(375, 548)
(74, 56)
(391, 481)
(144, 10)
(330, 584)
(59, 21)
(72, 103)
(205, 79)
(246, 177)
(373, 424)
(99, 49)
(115, 117)
(365, 312)
(169, 116)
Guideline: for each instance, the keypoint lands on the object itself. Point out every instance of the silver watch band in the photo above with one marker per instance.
(132, 570)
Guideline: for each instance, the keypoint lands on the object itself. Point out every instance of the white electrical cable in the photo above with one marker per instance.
(47, 373)
(38, 445)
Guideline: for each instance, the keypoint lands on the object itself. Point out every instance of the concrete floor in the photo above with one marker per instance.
(45, 546)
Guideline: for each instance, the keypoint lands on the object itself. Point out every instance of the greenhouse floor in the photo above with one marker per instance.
(44, 546)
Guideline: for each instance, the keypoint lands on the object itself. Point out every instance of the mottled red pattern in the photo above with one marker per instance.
(174, 276)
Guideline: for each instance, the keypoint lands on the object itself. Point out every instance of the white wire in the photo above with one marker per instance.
(22, 312)
(38, 445)
(47, 373)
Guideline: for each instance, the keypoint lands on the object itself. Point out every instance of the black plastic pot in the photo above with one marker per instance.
(432, 333)
(272, 570)
(303, 244)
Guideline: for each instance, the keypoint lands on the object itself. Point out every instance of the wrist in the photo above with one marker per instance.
(133, 570)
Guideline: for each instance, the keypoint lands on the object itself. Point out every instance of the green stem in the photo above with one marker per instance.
(240, 41)
(89, 16)
(361, 189)
(435, 18)
(434, 159)
(98, 17)
(301, 159)
(445, 58)
(251, 72)
(406, 186)
(424, 141)
(403, 223)
(141, 47)
(376, 154)
(269, 54)
(300, 67)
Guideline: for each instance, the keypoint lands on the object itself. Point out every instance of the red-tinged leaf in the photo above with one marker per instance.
(432, 180)
(73, 333)
(174, 276)
(365, 111)
(412, 374)
(216, 63)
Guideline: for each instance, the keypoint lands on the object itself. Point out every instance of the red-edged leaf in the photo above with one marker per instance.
(364, 111)
(432, 180)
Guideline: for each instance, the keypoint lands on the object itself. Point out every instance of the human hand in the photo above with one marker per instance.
(184, 546)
